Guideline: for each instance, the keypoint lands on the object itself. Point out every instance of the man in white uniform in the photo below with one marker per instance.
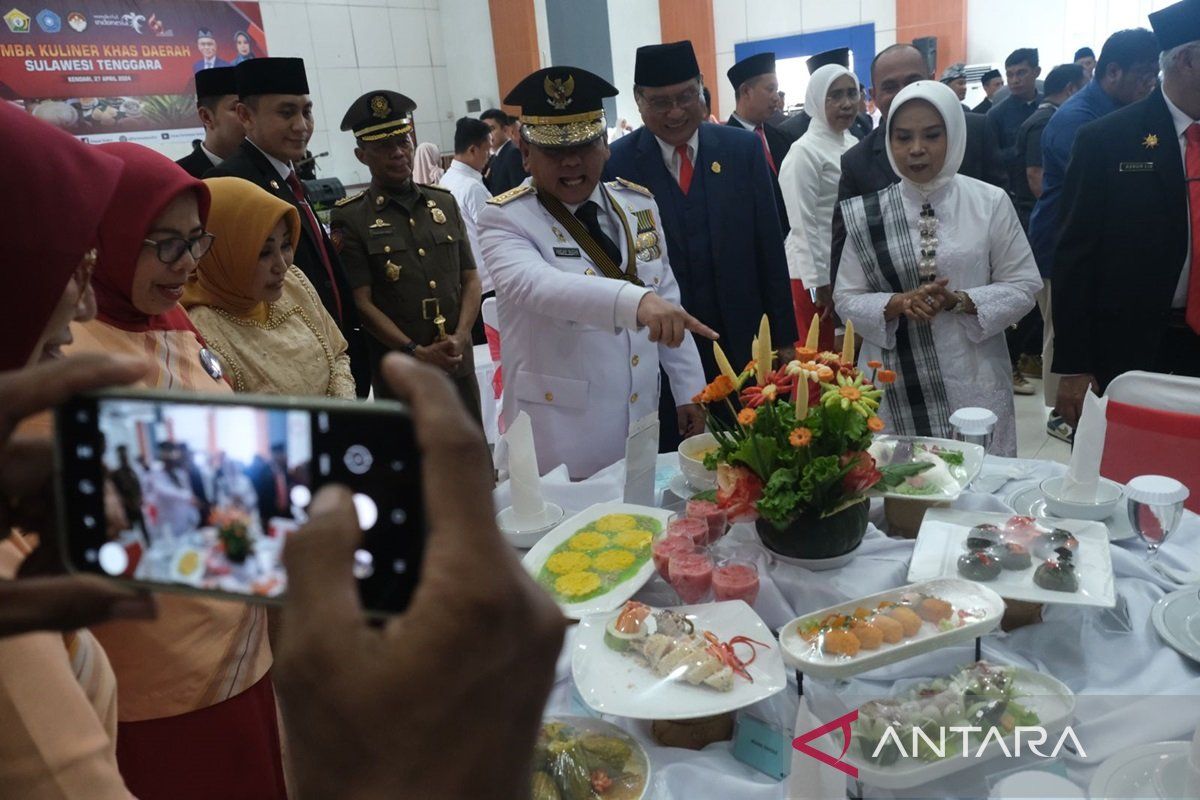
(464, 179)
(587, 302)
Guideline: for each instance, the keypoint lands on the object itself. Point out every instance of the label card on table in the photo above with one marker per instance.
(766, 748)
(641, 459)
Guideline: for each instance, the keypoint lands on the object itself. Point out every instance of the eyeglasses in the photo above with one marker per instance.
(171, 250)
(662, 105)
(839, 95)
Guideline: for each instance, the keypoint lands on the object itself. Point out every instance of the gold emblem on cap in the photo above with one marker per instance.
(380, 107)
(558, 91)
(716, 167)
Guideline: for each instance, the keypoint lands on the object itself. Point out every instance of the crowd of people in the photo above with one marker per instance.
(939, 232)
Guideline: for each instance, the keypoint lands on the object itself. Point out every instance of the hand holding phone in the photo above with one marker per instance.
(470, 662)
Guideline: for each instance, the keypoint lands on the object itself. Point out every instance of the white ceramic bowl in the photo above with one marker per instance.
(1108, 494)
(691, 463)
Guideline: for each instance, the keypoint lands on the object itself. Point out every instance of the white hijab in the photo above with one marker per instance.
(814, 102)
(946, 103)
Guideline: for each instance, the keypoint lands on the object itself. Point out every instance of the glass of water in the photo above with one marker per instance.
(1155, 507)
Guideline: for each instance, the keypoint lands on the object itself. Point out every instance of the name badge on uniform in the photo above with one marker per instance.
(1136, 166)
(567, 252)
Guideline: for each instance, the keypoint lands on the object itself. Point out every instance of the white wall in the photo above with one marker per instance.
(995, 29)
(748, 20)
(470, 58)
(631, 24)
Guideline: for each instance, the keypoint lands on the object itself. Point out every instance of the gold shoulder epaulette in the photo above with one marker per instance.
(512, 194)
(636, 187)
(350, 198)
(437, 186)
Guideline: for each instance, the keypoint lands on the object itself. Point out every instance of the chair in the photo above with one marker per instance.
(1154, 428)
(491, 330)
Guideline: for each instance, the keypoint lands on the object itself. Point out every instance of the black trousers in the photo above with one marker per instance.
(477, 336)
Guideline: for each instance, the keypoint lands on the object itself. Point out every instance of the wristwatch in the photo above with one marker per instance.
(409, 347)
(961, 306)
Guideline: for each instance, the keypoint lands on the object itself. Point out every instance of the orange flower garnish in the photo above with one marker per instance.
(824, 373)
(718, 390)
(874, 424)
(800, 437)
(746, 417)
(851, 393)
(886, 376)
(874, 364)
(805, 354)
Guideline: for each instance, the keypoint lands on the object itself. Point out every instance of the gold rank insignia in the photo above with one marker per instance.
(716, 167)
(438, 215)
(1150, 142)
(348, 199)
(637, 187)
(393, 270)
(512, 194)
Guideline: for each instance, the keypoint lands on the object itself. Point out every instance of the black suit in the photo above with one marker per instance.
(250, 164)
(778, 143)
(797, 125)
(866, 170)
(197, 162)
(983, 107)
(1124, 242)
(507, 169)
(262, 478)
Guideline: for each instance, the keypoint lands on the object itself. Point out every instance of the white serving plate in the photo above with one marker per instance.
(1049, 697)
(621, 684)
(1030, 502)
(681, 488)
(1176, 617)
(1158, 769)
(942, 539)
(605, 728)
(535, 559)
(986, 605)
(972, 463)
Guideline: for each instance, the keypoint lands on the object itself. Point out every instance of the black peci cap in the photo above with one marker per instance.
(379, 115)
(216, 82)
(665, 64)
(752, 67)
(1177, 24)
(989, 75)
(561, 106)
(1083, 52)
(838, 55)
(272, 75)
(204, 33)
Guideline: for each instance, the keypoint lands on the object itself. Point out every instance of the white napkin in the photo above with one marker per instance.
(810, 779)
(527, 503)
(641, 458)
(573, 496)
(1083, 473)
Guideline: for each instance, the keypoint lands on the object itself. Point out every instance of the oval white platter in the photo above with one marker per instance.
(984, 605)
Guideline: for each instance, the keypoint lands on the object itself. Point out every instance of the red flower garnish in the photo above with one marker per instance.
(779, 384)
(863, 475)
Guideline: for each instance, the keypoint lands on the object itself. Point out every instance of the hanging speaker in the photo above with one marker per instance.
(928, 47)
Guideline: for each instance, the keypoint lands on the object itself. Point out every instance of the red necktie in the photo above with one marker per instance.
(1192, 161)
(314, 228)
(763, 135)
(685, 168)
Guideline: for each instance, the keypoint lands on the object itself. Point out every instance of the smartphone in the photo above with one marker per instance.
(191, 493)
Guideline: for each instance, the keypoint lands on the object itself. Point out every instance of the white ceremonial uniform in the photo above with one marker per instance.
(573, 355)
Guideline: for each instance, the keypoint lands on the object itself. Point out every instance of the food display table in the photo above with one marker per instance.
(1131, 688)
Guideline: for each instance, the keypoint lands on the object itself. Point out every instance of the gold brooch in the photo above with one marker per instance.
(1150, 142)
(716, 167)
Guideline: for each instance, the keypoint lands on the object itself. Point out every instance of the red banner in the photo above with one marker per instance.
(111, 68)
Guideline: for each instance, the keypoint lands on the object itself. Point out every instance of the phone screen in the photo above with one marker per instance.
(185, 492)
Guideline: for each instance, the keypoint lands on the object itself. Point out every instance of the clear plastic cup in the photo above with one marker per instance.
(716, 518)
(663, 547)
(691, 574)
(694, 529)
(735, 579)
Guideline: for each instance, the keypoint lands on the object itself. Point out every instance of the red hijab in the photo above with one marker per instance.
(51, 208)
(149, 183)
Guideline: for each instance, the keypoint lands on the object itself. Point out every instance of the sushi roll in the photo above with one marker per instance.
(982, 537)
(907, 618)
(868, 635)
(840, 643)
(1057, 576)
(933, 609)
(979, 566)
(892, 630)
(1013, 556)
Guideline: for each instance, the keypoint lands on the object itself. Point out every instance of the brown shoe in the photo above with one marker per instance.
(1020, 384)
(1030, 366)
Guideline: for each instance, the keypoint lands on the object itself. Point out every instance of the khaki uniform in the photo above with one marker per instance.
(411, 248)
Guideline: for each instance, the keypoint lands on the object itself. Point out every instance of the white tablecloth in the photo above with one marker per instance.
(1107, 670)
(489, 405)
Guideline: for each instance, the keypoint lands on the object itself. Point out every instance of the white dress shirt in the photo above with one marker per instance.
(607, 223)
(283, 168)
(213, 157)
(466, 184)
(671, 157)
(808, 180)
(1182, 123)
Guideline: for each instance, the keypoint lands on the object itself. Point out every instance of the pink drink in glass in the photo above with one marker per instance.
(695, 530)
(736, 580)
(691, 574)
(662, 550)
(712, 514)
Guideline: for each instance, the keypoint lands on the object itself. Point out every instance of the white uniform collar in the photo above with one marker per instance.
(213, 157)
(465, 168)
(745, 123)
(598, 196)
(1182, 121)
